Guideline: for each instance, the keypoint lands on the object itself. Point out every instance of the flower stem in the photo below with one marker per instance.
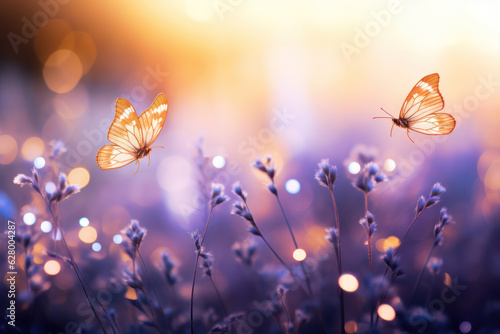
(196, 267)
(73, 263)
(368, 233)
(219, 296)
(286, 313)
(338, 252)
(421, 274)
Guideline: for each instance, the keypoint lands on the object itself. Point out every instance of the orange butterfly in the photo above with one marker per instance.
(420, 110)
(132, 135)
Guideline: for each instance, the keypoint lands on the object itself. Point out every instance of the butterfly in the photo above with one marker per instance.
(132, 136)
(420, 111)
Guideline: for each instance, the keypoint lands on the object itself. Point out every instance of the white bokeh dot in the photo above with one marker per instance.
(29, 218)
(117, 239)
(39, 162)
(354, 167)
(84, 221)
(219, 161)
(292, 186)
(96, 246)
(46, 226)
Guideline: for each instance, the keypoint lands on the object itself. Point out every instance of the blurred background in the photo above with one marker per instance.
(298, 80)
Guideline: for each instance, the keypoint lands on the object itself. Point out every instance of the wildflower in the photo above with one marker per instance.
(168, 268)
(57, 148)
(368, 223)
(24, 180)
(218, 196)
(444, 219)
(266, 166)
(434, 265)
(241, 209)
(135, 234)
(392, 261)
(326, 174)
(332, 235)
(239, 192)
(369, 178)
(281, 290)
(245, 251)
(207, 265)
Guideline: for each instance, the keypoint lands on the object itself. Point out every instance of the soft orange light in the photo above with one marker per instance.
(83, 45)
(87, 234)
(386, 312)
(62, 71)
(8, 149)
(299, 254)
(52, 267)
(32, 148)
(130, 294)
(79, 176)
(391, 241)
(351, 327)
(348, 283)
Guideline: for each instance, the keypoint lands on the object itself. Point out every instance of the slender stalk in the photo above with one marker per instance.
(368, 233)
(219, 296)
(150, 280)
(73, 263)
(421, 274)
(338, 252)
(306, 276)
(287, 222)
(196, 267)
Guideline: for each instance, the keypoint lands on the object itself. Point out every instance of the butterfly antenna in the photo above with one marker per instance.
(157, 147)
(387, 113)
(408, 134)
(392, 127)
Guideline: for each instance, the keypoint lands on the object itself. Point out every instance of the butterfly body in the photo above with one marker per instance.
(420, 110)
(131, 135)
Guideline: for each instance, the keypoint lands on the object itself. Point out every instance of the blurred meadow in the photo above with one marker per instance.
(298, 80)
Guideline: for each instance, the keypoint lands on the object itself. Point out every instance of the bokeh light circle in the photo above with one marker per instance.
(117, 239)
(87, 234)
(32, 148)
(219, 161)
(50, 187)
(386, 312)
(62, 71)
(465, 327)
(292, 186)
(52, 267)
(8, 149)
(79, 176)
(351, 327)
(348, 282)
(354, 167)
(29, 218)
(39, 162)
(46, 226)
(389, 165)
(96, 246)
(84, 221)
(299, 255)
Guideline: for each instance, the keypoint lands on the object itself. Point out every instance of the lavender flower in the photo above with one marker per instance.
(368, 223)
(392, 261)
(135, 234)
(218, 196)
(266, 166)
(444, 219)
(168, 268)
(369, 178)
(245, 251)
(332, 235)
(434, 265)
(326, 174)
(24, 180)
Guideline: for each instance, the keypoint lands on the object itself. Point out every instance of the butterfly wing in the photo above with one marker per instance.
(126, 131)
(153, 118)
(433, 124)
(114, 156)
(421, 108)
(423, 99)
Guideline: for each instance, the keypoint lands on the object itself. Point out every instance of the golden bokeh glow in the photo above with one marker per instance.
(79, 176)
(351, 326)
(83, 45)
(299, 254)
(348, 282)
(130, 294)
(32, 148)
(386, 312)
(492, 176)
(8, 149)
(62, 71)
(52, 267)
(391, 241)
(87, 234)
